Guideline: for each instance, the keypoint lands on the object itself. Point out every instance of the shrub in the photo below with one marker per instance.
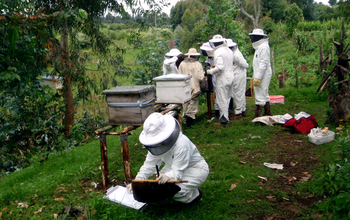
(114, 27)
(334, 184)
(83, 40)
(293, 15)
(83, 128)
(303, 43)
(267, 24)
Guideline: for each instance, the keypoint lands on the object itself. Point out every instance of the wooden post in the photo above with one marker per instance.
(209, 104)
(321, 57)
(126, 157)
(283, 72)
(280, 79)
(273, 62)
(104, 161)
(209, 97)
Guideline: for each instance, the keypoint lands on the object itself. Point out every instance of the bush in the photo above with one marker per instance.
(84, 128)
(319, 26)
(268, 25)
(84, 40)
(334, 184)
(303, 43)
(114, 27)
(293, 15)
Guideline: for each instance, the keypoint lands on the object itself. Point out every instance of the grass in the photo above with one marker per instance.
(67, 178)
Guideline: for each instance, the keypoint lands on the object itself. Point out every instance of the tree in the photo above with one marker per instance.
(332, 2)
(257, 11)
(68, 16)
(344, 9)
(275, 8)
(177, 12)
(338, 83)
(309, 10)
(221, 15)
(27, 117)
(293, 14)
(324, 12)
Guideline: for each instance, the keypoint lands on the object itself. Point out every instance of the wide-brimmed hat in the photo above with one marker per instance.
(156, 129)
(205, 46)
(207, 50)
(217, 38)
(216, 41)
(192, 52)
(230, 43)
(258, 32)
(173, 53)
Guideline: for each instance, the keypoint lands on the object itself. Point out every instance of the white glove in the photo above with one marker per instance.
(163, 179)
(129, 188)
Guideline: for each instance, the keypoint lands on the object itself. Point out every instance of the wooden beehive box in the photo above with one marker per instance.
(173, 88)
(129, 105)
(55, 82)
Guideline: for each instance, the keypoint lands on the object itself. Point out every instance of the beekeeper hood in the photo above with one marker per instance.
(232, 45)
(257, 35)
(173, 53)
(207, 50)
(159, 133)
(217, 41)
(192, 53)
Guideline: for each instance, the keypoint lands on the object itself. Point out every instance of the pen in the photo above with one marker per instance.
(157, 170)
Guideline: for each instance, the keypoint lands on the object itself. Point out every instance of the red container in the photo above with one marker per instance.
(276, 99)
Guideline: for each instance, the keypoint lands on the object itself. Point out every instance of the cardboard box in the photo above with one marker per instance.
(276, 99)
(173, 88)
(129, 105)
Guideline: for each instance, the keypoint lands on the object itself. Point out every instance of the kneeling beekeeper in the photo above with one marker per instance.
(165, 142)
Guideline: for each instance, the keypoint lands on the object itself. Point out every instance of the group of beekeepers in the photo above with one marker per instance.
(161, 134)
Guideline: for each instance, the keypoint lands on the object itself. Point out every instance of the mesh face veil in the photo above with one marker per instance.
(166, 145)
(255, 38)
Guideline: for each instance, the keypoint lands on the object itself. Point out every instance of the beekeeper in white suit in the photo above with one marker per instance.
(209, 63)
(240, 67)
(262, 71)
(169, 64)
(223, 59)
(165, 142)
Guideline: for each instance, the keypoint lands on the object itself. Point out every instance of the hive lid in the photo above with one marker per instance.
(49, 78)
(172, 77)
(128, 90)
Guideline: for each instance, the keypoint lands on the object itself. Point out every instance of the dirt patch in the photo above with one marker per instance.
(303, 68)
(298, 158)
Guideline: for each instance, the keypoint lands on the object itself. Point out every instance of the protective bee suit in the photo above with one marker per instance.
(209, 61)
(240, 67)
(165, 142)
(191, 66)
(223, 59)
(262, 71)
(169, 64)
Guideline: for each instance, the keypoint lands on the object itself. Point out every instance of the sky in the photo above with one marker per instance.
(167, 9)
(325, 2)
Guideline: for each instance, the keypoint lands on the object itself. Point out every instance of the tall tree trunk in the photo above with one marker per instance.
(257, 11)
(68, 93)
